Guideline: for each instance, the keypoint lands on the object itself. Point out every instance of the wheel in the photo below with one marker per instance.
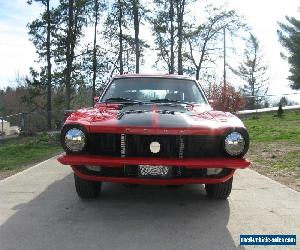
(130, 185)
(219, 191)
(87, 189)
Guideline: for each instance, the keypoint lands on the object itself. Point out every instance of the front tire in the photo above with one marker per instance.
(219, 191)
(87, 189)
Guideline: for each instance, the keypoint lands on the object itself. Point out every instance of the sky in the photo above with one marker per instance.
(17, 53)
(263, 17)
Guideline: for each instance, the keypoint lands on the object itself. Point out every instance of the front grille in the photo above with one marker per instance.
(171, 146)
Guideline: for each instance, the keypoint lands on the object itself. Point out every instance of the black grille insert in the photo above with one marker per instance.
(139, 146)
(195, 146)
(202, 146)
(104, 144)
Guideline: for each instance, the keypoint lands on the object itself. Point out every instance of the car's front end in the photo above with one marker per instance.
(154, 142)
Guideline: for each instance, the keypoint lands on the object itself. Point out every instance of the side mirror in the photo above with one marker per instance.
(96, 99)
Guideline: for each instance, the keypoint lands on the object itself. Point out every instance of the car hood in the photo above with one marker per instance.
(112, 117)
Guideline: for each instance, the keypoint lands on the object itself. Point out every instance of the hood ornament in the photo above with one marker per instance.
(154, 147)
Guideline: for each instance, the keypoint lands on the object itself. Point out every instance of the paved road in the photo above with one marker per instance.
(39, 209)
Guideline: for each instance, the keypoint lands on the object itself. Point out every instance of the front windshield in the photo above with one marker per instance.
(154, 89)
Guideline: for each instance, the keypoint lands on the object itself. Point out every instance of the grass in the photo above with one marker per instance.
(21, 151)
(275, 141)
(290, 160)
(270, 128)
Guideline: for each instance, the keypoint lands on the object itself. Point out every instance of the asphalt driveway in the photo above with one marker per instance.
(39, 209)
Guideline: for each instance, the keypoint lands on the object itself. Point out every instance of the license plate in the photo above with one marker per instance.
(148, 171)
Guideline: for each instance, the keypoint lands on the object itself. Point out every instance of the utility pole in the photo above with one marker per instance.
(224, 50)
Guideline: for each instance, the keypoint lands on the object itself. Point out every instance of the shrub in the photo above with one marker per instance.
(226, 98)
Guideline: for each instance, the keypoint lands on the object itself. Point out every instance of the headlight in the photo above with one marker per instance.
(234, 144)
(75, 140)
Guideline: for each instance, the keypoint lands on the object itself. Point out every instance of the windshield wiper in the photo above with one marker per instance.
(166, 100)
(122, 100)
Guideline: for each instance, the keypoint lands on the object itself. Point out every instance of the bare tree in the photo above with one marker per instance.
(203, 40)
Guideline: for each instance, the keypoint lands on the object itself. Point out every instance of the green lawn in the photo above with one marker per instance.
(275, 141)
(18, 152)
(270, 128)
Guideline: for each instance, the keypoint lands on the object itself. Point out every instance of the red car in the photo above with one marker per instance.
(154, 130)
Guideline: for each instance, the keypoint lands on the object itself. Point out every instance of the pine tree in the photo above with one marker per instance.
(137, 13)
(72, 16)
(97, 7)
(289, 37)
(118, 38)
(40, 32)
(253, 71)
(164, 30)
(171, 25)
(96, 10)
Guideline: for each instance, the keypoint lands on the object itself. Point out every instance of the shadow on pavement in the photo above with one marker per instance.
(121, 218)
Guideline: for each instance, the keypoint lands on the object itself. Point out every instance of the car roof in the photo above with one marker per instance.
(168, 76)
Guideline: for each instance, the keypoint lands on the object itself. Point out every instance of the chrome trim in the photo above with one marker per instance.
(123, 145)
(75, 140)
(234, 143)
(180, 155)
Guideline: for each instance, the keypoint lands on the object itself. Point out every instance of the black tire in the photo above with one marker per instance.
(130, 185)
(87, 189)
(219, 191)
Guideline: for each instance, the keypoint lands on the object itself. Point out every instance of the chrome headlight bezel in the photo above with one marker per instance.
(74, 139)
(236, 143)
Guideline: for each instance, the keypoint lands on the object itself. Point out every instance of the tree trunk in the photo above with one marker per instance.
(172, 42)
(120, 38)
(95, 51)
(180, 12)
(197, 73)
(69, 59)
(198, 68)
(136, 35)
(49, 74)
